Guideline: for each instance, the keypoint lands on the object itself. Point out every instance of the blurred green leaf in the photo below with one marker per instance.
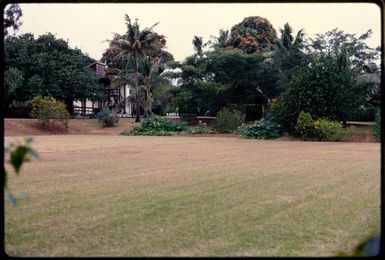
(18, 156)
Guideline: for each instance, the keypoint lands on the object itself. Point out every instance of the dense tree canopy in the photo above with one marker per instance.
(253, 34)
(362, 59)
(46, 66)
(332, 41)
(225, 78)
(325, 88)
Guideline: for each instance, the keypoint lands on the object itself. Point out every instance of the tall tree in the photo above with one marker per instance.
(12, 16)
(135, 44)
(46, 66)
(225, 78)
(362, 60)
(329, 43)
(253, 34)
(150, 78)
(325, 89)
(288, 54)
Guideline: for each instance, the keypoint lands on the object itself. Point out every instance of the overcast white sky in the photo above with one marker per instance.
(87, 26)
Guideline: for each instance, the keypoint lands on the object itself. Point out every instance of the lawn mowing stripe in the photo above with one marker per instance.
(163, 211)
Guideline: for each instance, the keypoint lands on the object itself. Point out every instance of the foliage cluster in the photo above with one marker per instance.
(261, 129)
(327, 130)
(322, 129)
(107, 117)
(305, 125)
(46, 66)
(224, 78)
(325, 89)
(228, 121)
(253, 34)
(156, 125)
(47, 108)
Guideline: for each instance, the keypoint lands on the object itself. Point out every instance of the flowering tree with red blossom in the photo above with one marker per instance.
(253, 34)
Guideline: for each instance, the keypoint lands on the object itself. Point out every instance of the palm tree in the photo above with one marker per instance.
(221, 40)
(288, 53)
(149, 77)
(134, 44)
(198, 44)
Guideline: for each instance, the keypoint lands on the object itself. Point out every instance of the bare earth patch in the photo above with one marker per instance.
(27, 126)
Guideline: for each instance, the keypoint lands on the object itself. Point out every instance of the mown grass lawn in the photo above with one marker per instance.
(193, 196)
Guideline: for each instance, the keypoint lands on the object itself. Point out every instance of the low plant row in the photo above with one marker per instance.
(232, 121)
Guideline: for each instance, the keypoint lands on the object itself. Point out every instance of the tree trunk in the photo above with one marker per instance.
(137, 103)
(70, 106)
(150, 104)
(145, 105)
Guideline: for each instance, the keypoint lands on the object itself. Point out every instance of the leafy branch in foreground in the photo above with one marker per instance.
(15, 154)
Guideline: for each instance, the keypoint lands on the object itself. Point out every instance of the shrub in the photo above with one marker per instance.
(228, 121)
(326, 130)
(107, 117)
(262, 129)
(377, 125)
(47, 108)
(157, 126)
(305, 125)
(322, 129)
(201, 128)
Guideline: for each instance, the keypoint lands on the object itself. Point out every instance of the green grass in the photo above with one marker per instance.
(194, 196)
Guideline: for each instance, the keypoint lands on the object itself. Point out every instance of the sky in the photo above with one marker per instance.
(88, 26)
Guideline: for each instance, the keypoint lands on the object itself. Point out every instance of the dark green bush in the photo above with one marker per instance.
(157, 126)
(377, 125)
(107, 117)
(228, 121)
(261, 129)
